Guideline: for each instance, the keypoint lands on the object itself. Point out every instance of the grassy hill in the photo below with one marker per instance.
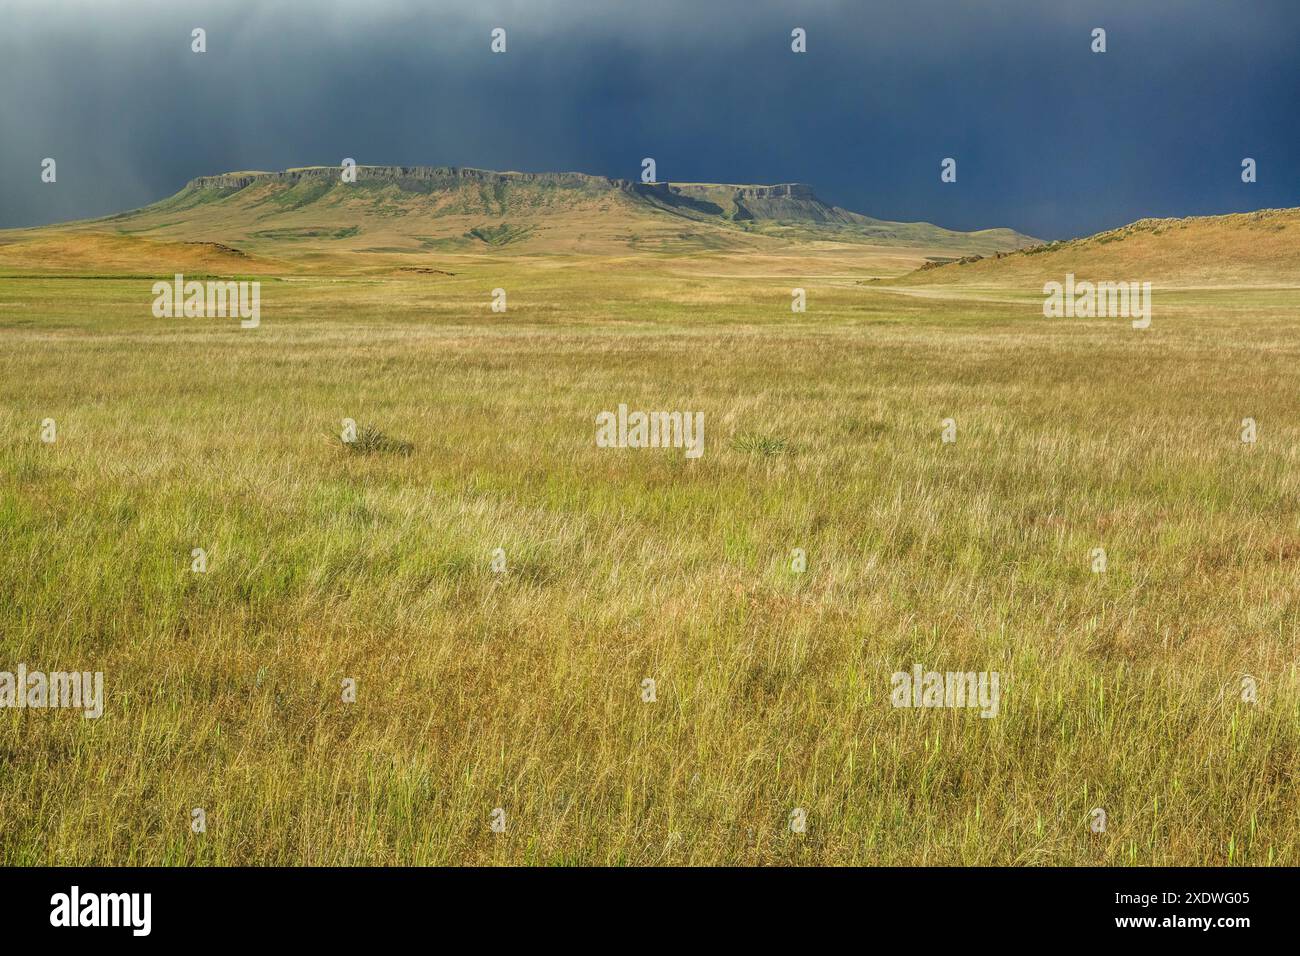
(1255, 248)
(306, 212)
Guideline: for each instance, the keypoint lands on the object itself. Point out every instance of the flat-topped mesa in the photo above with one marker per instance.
(457, 209)
(449, 174)
(454, 174)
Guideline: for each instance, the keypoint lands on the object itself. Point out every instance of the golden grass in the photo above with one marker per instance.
(1240, 249)
(522, 690)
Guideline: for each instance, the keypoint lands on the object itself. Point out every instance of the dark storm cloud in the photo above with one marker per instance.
(1050, 138)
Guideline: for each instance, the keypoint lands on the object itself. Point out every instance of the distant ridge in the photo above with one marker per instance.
(239, 180)
(447, 209)
(445, 174)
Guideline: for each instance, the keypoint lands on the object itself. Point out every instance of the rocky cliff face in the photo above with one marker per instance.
(451, 175)
(457, 175)
(782, 191)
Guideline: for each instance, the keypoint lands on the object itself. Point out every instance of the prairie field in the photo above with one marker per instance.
(524, 689)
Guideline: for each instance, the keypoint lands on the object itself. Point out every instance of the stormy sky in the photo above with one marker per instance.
(1049, 137)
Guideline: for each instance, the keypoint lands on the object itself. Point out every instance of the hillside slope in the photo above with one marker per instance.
(394, 209)
(1255, 248)
(55, 252)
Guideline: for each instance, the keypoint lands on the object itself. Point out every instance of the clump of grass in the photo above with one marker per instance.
(865, 427)
(769, 446)
(371, 441)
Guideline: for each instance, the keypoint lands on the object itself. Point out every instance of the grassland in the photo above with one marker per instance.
(522, 690)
